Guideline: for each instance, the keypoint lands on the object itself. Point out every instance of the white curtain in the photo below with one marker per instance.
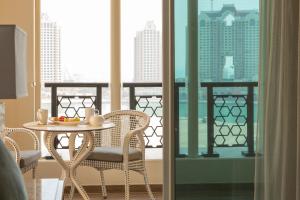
(278, 141)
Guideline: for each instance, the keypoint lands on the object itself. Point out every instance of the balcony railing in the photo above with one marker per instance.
(229, 118)
(221, 132)
(150, 103)
(239, 107)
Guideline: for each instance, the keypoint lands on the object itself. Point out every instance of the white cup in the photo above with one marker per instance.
(96, 119)
(88, 113)
(42, 116)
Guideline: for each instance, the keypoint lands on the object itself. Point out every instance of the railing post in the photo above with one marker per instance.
(210, 124)
(54, 100)
(98, 100)
(54, 109)
(132, 100)
(250, 122)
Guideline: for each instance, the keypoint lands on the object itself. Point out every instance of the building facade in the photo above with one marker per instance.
(50, 51)
(228, 33)
(147, 55)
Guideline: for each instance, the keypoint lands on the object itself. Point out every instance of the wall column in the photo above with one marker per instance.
(115, 73)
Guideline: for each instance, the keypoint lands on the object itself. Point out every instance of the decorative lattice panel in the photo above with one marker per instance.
(152, 105)
(230, 120)
(72, 106)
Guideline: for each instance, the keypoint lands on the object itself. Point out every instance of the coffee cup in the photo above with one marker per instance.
(88, 113)
(42, 116)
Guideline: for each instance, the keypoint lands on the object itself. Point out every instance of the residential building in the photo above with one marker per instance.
(228, 32)
(50, 51)
(147, 55)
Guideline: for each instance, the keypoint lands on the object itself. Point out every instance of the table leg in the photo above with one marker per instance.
(49, 138)
(69, 168)
(81, 155)
(49, 141)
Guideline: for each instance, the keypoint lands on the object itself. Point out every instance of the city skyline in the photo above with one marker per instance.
(220, 73)
(86, 36)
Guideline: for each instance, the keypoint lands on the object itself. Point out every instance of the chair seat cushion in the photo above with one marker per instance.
(29, 157)
(113, 154)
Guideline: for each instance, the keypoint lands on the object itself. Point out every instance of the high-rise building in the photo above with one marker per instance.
(50, 51)
(147, 55)
(228, 33)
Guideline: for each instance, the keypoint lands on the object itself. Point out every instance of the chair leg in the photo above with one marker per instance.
(148, 185)
(103, 186)
(127, 182)
(33, 173)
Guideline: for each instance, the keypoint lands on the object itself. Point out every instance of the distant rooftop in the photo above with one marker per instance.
(228, 7)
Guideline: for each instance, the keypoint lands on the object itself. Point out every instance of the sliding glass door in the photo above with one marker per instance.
(215, 95)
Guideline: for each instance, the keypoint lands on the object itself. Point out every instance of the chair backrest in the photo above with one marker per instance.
(125, 121)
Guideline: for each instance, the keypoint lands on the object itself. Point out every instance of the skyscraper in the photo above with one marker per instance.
(50, 51)
(228, 33)
(147, 55)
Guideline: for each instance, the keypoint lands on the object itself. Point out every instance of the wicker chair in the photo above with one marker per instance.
(26, 159)
(121, 147)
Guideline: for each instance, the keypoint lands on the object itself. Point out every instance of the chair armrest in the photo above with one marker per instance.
(139, 133)
(11, 143)
(11, 131)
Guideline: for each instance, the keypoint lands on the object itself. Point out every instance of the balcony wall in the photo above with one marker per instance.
(22, 13)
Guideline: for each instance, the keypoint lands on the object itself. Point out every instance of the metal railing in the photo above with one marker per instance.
(152, 105)
(241, 109)
(240, 131)
(149, 103)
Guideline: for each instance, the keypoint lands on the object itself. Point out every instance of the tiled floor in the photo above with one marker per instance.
(120, 196)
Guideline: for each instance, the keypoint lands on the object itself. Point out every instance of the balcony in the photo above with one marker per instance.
(227, 126)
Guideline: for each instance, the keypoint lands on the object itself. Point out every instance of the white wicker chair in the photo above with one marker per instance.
(121, 147)
(26, 159)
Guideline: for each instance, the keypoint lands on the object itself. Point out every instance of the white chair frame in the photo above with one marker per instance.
(134, 138)
(7, 139)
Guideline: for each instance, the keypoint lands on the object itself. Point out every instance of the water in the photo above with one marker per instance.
(202, 111)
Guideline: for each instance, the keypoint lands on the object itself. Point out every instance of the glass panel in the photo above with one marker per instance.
(75, 47)
(216, 72)
(141, 63)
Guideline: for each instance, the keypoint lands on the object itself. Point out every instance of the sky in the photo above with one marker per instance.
(85, 31)
(85, 34)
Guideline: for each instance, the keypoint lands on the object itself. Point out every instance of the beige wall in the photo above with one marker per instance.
(21, 13)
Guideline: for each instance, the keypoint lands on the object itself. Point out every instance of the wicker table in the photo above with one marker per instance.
(69, 167)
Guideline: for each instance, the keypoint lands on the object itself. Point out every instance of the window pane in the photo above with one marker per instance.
(141, 61)
(75, 47)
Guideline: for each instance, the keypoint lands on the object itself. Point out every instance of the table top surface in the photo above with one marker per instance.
(52, 127)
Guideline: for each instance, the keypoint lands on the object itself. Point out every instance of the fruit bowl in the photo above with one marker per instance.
(75, 123)
(65, 121)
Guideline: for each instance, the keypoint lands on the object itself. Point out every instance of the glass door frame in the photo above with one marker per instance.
(168, 93)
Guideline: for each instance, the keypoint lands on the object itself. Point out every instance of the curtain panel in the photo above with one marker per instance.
(278, 141)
